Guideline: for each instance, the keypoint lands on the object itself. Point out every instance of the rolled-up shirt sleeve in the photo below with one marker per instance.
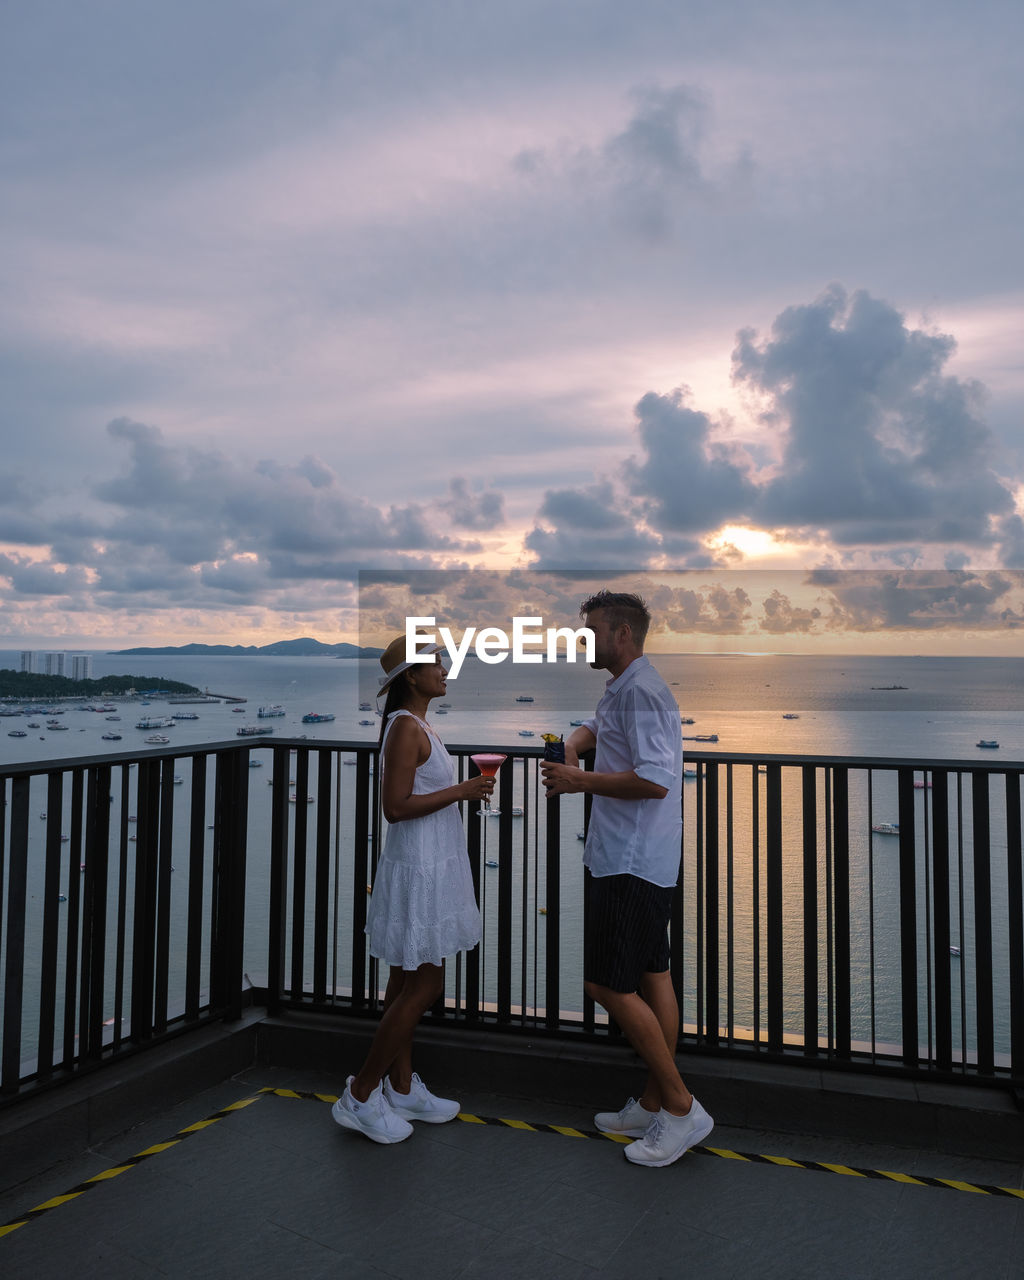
(652, 735)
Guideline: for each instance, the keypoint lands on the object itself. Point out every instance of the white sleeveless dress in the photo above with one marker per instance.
(423, 907)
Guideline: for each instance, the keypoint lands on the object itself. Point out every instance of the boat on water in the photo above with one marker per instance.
(517, 811)
(57, 727)
(252, 730)
(158, 739)
(366, 722)
(268, 713)
(954, 950)
(790, 715)
(294, 799)
(111, 737)
(112, 717)
(17, 733)
(689, 771)
(180, 715)
(239, 711)
(987, 742)
(886, 828)
(255, 764)
(317, 717)
(441, 711)
(366, 706)
(687, 720)
(155, 722)
(701, 737)
(526, 733)
(576, 723)
(524, 697)
(491, 862)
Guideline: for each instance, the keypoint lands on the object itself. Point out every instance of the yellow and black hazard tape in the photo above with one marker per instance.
(125, 1165)
(566, 1131)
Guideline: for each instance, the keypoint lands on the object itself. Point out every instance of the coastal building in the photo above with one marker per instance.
(77, 666)
(54, 664)
(81, 666)
(29, 661)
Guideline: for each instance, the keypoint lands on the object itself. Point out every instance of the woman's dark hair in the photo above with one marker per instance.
(398, 692)
(621, 607)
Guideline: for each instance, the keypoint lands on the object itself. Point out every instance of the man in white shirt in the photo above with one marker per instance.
(632, 856)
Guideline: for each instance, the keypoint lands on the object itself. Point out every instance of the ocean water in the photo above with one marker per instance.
(843, 706)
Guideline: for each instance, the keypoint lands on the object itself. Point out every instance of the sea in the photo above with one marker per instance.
(878, 707)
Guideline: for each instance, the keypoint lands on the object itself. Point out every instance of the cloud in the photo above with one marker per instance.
(921, 600)
(877, 444)
(469, 510)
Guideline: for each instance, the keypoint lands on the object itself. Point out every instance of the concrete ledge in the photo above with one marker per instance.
(850, 1105)
(39, 1132)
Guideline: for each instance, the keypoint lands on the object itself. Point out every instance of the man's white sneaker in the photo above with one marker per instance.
(419, 1103)
(669, 1136)
(373, 1117)
(631, 1121)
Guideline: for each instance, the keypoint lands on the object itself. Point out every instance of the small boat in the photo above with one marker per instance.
(526, 733)
(158, 739)
(366, 706)
(366, 722)
(118, 717)
(178, 779)
(987, 742)
(81, 866)
(524, 697)
(581, 835)
(17, 733)
(790, 715)
(517, 811)
(43, 816)
(491, 862)
(132, 818)
(689, 771)
(111, 737)
(180, 715)
(954, 951)
(65, 839)
(702, 737)
(687, 720)
(256, 764)
(886, 828)
(268, 713)
(294, 799)
(441, 711)
(253, 730)
(576, 723)
(317, 717)
(56, 727)
(62, 897)
(32, 724)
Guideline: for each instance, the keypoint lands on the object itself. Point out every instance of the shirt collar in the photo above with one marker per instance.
(624, 677)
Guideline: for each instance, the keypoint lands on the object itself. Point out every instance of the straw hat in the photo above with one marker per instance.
(394, 663)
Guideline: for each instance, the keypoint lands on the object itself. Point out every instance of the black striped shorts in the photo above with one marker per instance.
(627, 931)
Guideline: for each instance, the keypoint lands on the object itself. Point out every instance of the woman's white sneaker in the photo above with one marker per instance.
(668, 1136)
(630, 1122)
(373, 1117)
(419, 1103)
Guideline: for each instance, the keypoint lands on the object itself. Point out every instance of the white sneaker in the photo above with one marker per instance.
(631, 1121)
(419, 1103)
(373, 1117)
(669, 1136)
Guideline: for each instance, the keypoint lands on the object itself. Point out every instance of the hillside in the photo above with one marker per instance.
(304, 647)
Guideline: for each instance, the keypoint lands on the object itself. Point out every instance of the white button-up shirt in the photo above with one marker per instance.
(637, 727)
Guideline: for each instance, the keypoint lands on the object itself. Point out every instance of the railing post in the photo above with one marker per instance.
(712, 907)
(278, 889)
(809, 806)
(14, 966)
(1015, 895)
(983, 920)
(773, 884)
(940, 878)
(841, 898)
(908, 915)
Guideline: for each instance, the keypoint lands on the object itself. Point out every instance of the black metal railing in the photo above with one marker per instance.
(155, 886)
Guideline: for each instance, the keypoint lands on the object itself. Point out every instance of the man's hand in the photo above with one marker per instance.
(561, 779)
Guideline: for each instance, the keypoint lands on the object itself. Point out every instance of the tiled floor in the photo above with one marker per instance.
(276, 1189)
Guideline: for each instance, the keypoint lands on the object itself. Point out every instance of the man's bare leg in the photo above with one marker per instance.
(643, 1029)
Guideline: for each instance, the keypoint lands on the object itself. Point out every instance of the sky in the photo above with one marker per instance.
(295, 290)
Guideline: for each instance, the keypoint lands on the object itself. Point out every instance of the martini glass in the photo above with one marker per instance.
(488, 762)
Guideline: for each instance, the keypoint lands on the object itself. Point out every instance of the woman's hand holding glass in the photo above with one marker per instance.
(477, 788)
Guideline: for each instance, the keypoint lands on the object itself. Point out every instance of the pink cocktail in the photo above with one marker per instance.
(488, 762)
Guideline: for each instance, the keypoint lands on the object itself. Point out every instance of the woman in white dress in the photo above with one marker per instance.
(422, 908)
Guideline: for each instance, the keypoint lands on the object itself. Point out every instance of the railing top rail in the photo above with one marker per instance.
(532, 751)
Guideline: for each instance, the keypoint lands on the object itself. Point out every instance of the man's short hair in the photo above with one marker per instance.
(621, 607)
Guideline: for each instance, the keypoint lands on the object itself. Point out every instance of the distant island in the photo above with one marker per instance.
(305, 647)
(27, 684)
